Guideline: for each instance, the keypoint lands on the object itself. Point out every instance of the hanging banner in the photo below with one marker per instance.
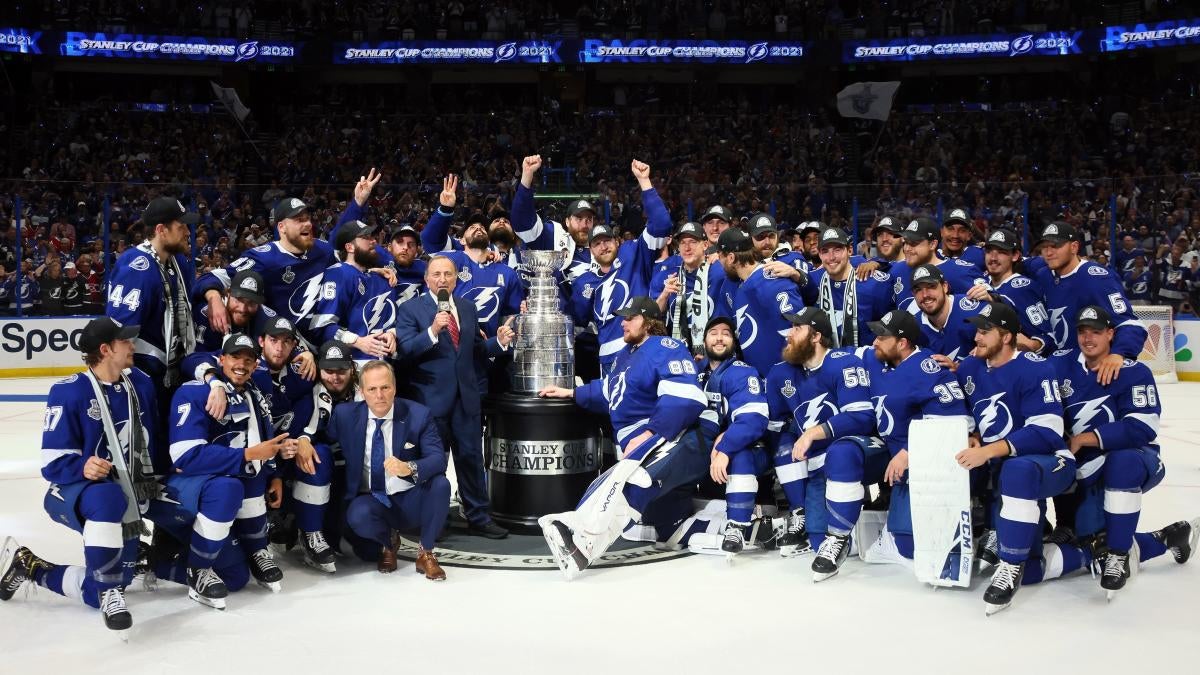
(172, 48)
(20, 41)
(448, 51)
(1151, 36)
(953, 47)
(690, 51)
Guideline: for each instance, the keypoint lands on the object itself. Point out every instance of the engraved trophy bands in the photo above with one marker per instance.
(544, 352)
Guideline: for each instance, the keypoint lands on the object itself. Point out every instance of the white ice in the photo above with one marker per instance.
(691, 615)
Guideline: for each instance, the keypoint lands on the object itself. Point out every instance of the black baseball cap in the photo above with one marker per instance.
(476, 218)
(103, 330)
(1001, 239)
(927, 274)
(239, 342)
(956, 217)
(721, 320)
(288, 207)
(733, 240)
(833, 235)
(921, 228)
(579, 206)
(248, 285)
(496, 214)
(334, 355)
(167, 210)
(1058, 233)
(1094, 316)
(897, 323)
(887, 223)
(996, 315)
(690, 229)
(762, 223)
(812, 316)
(601, 230)
(405, 230)
(349, 231)
(719, 212)
(280, 325)
(641, 305)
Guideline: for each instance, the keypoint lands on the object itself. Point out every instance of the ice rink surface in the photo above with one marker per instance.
(689, 615)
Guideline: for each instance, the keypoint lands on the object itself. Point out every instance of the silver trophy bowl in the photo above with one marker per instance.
(544, 349)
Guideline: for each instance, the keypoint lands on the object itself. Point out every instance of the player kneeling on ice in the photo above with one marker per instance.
(817, 397)
(1112, 430)
(654, 400)
(1017, 439)
(221, 471)
(97, 447)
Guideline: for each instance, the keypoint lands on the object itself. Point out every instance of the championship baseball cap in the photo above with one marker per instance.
(762, 223)
(601, 230)
(810, 226)
(496, 214)
(996, 315)
(812, 316)
(350, 231)
(103, 330)
(1094, 316)
(689, 229)
(288, 207)
(167, 210)
(405, 230)
(719, 212)
(833, 236)
(733, 240)
(69, 266)
(334, 355)
(897, 323)
(956, 217)
(248, 285)
(579, 206)
(889, 224)
(1058, 233)
(280, 325)
(921, 228)
(1001, 239)
(239, 342)
(641, 305)
(927, 274)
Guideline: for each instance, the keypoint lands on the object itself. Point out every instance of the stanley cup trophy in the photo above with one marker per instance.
(542, 453)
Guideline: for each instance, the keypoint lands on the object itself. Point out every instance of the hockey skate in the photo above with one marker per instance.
(883, 551)
(206, 588)
(265, 571)
(735, 538)
(833, 552)
(561, 540)
(115, 612)
(318, 554)
(1005, 582)
(989, 551)
(794, 541)
(17, 565)
(1115, 569)
(1180, 538)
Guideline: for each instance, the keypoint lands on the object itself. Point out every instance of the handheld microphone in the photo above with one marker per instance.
(443, 300)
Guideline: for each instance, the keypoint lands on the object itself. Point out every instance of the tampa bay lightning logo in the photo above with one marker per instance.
(1059, 328)
(1021, 45)
(617, 392)
(231, 439)
(613, 295)
(747, 327)
(756, 52)
(506, 52)
(994, 417)
(104, 452)
(813, 410)
(1088, 415)
(486, 300)
(246, 51)
(405, 292)
(304, 298)
(379, 313)
(884, 421)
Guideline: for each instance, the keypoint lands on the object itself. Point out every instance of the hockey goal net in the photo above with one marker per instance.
(1159, 350)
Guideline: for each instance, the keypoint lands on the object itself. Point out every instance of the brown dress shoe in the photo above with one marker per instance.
(428, 565)
(387, 560)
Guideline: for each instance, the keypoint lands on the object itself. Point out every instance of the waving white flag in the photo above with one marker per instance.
(868, 100)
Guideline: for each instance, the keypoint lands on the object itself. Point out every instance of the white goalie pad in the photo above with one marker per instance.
(940, 494)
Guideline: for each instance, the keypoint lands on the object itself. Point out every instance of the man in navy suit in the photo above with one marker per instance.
(441, 362)
(395, 471)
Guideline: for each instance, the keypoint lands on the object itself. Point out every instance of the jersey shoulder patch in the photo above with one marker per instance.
(1097, 271)
(737, 363)
(265, 248)
(669, 343)
(968, 304)
(1062, 352)
(1030, 356)
(930, 366)
(1020, 282)
(140, 263)
(880, 275)
(1129, 363)
(838, 354)
(68, 379)
(963, 263)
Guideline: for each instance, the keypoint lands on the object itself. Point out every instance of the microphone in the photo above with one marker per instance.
(443, 300)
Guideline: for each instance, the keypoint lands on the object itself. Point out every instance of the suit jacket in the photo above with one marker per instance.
(414, 439)
(434, 372)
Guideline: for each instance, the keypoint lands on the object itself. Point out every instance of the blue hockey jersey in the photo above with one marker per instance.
(970, 254)
(209, 340)
(1090, 284)
(1125, 414)
(737, 406)
(956, 339)
(353, 304)
(137, 295)
(960, 276)
(836, 393)
(72, 431)
(918, 388)
(708, 276)
(201, 445)
(1022, 294)
(651, 387)
(293, 282)
(873, 297)
(547, 235)
(596, 295)
(410, 281)
(1137, 286)
(758, 309)
(1017, 402)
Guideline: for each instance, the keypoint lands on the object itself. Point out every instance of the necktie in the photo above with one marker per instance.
(378, 449)
(453, 328)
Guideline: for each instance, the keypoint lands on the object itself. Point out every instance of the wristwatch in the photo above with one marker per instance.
(412, 466)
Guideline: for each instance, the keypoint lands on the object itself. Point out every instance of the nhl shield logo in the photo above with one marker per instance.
(787, 389)
(288, 275)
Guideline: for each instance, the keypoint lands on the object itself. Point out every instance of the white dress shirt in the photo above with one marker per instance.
(391, 484)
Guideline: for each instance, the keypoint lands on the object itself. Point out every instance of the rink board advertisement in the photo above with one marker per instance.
(35, 347)
(175, 48)
(1187, 344)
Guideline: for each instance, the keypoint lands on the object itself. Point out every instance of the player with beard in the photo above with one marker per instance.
(244, 304)
(733, 426)
(686, 288)
(920, 248)
(1001, 254)
(494, 287)
(843, 294)
(818, 396)
(572, 235)
(760, 303)
(405, 249)
(810, 236)
(943, 316)
(356, 308)
(956, 239)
